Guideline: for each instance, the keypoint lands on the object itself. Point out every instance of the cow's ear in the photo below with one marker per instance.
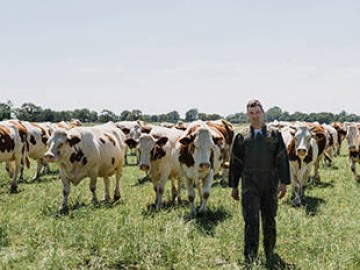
(186, 140)
(72, 140)
(131, 143)
(162, 141)
(218, 140)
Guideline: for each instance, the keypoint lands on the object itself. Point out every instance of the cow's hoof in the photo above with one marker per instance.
(13, 189)
(116, 197)
(63, 210)
(296, 203)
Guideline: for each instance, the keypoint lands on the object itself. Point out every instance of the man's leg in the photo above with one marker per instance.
(251, 207)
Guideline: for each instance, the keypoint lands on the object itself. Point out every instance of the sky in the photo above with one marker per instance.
(163, 55)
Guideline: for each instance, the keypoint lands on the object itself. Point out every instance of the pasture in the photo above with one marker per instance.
(131, 234)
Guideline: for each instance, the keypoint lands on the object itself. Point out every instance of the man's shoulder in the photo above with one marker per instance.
(244, 132)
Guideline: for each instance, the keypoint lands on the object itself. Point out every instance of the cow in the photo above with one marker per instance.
(341, 130)
(37, 137)
(333, 143)
(227, 130)
(303, 152)
(88, 152)
(199, 152)
(13, 149)
(155, 158)
(353, 140)
(132, 129)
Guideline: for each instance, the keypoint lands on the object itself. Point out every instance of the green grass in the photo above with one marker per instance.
(131, 234)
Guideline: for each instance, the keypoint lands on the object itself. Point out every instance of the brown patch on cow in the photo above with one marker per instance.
(185, 155)
(111, 138)
(32, 140)
(74, 140)
(112, 160)
(319, 132)
(125, 130)
(102, 140)
(21, 128)
(76, 156)
(291, 151)
(84, 161)
(6, 142)
(225, 128)
(309, 156)
(192, 129)
(212, 159)
(44, 136)
(157, 153)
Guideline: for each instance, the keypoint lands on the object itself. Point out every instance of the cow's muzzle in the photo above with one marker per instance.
(144, 167)
(301, 152)
(204, 167)
(49, 157)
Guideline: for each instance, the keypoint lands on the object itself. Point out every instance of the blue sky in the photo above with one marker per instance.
(159, 56)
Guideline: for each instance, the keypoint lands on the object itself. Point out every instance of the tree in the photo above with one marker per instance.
(273, 113)
(106, 116)
(192, 115)
(5, 110)
(29, 112)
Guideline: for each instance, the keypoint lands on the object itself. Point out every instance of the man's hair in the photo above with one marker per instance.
(253, 103)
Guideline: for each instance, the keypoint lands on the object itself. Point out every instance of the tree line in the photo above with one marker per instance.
(34, 113)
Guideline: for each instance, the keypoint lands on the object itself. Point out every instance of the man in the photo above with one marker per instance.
(259, 157)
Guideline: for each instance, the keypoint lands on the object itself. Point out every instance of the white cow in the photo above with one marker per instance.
(303, 152)
(155, 158)
(353, 140)
(88, 152)
(199, 152)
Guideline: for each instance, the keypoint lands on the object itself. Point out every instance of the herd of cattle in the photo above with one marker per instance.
(189, 154)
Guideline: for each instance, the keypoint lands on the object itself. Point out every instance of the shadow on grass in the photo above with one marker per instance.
(312, 204)
(151, 209)
(78, 208)
(142, 181)
(206, 223)
(279, 264)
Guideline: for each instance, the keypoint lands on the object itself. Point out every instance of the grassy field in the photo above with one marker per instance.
(131, 234)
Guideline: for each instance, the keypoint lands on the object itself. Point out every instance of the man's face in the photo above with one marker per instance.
(256, 116)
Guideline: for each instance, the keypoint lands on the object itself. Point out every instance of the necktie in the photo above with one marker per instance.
(258, 136)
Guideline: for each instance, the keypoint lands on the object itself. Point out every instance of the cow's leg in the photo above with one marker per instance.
(225, 174)
(296, 190)
(107, 188)
(205, 192)
(17, 164)
(176, 189)
(191, 196)
(39, 167)
(66, 185)
(118, 175)
(316, 171)
(161, 187)
(46, 167)
(21, 177)
(93, 189)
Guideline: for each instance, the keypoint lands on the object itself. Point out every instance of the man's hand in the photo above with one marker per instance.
(235, 194)
(281, 191)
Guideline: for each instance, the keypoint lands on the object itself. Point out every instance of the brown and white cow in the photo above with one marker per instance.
(13, 149)
(199, 152)
(37, 137)
(353, 140)
(227, 130)
(88, 152)
(341, 130)
(303, 152)
(155, 158)
(133, 130)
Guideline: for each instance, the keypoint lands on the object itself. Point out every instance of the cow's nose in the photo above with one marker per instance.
(204, 166)
(49, 156)
(301, 152)
(144, 167)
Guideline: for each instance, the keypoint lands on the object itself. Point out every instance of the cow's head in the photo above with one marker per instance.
(200, 147)
(60, 145)
(150, 149)
(302, 141)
